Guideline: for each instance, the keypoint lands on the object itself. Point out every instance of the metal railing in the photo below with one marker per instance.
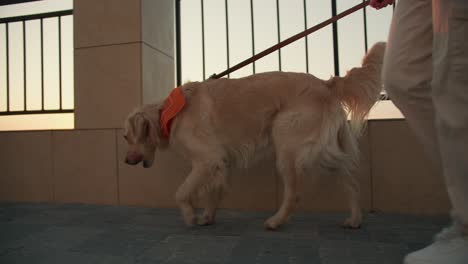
(336, 57)
(23, 19)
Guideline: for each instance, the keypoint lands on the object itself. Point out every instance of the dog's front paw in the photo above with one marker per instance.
(352, 223)
(190, 221)
(272, 223)
(205, 220)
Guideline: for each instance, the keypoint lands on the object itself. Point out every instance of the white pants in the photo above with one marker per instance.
(426, 75)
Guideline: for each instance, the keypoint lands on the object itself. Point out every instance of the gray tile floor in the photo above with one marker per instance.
(72, 233)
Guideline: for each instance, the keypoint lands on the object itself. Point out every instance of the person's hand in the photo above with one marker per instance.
(377, 4)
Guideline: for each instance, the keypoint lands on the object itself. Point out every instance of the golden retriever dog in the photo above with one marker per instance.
(228, 122)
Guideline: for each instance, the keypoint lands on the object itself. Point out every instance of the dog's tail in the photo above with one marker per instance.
(360, 88)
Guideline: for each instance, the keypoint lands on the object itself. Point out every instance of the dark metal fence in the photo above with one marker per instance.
(251, 18)
(22, 19)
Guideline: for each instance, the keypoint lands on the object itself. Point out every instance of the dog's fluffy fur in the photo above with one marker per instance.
(228, 122)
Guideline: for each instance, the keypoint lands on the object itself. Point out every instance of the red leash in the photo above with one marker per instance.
(291, 39)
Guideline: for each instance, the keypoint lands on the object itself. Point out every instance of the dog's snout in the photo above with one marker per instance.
(132, 162)
(133, 158)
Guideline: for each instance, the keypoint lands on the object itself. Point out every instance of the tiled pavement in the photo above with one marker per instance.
(71, 233)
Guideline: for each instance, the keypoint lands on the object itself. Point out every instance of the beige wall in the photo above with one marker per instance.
(124, 56)
(403, 178)
(87, 166)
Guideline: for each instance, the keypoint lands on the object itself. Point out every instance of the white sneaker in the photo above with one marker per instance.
(450, 247)
(453, 231)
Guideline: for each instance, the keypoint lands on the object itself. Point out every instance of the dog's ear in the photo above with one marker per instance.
(152, 129)
(152, 114)
(141, 126)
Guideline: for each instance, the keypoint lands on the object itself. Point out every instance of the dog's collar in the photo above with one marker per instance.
(173, 104)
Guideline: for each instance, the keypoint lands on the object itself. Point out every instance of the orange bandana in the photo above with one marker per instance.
(173, 104)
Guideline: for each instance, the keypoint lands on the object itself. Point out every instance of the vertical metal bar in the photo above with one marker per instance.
(307, 37)
(178, 45)
(60, 58)
(7, 66)
(364, 10)
(335, 40)
(42, 64)
(24, 65)
(279, 32)
(227, 34)
(253, 32)
(203, 36)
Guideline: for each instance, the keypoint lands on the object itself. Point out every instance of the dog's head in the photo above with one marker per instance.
(142, 133)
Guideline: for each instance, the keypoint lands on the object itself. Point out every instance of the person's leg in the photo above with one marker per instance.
(407, 70)
(450, 95)
(407, 76)
(450, 84)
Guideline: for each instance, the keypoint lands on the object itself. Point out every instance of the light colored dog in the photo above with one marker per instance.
(226, 122)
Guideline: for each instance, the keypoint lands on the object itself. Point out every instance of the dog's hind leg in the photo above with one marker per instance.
(294, 134)
(287, 170)
(352, 187)
(347, 168)
(291, 163)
